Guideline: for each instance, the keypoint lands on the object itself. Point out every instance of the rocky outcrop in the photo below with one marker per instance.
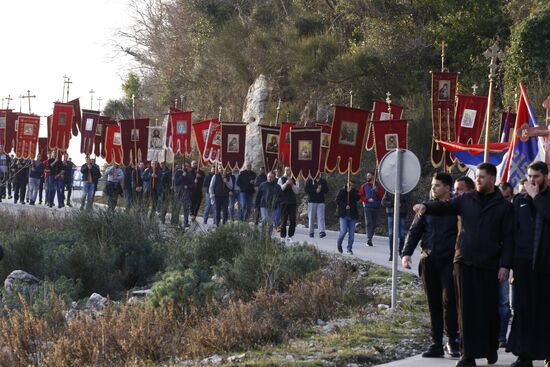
(19, 278)
(253, 115)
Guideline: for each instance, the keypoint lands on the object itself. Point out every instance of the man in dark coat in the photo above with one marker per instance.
(530, 338)
(346, 202)
(196, 190)
(483, 257)
(316, 189)
(438, 235)
(245, 181)
(267, 200)
(260, 179)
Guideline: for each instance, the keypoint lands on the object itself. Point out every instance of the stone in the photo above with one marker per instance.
(289, 357)
(321, 322)
(253, 116)
(19, 278)
(141, 293)
(237, 358)
(213, 360)
(96, 302)
(383, 307)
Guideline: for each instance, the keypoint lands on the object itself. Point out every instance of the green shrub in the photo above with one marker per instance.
(181, 288)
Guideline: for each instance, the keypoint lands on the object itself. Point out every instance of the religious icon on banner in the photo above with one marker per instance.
(205, 135)
(134, 135)
(98, 129)
(233, 145)
(62, 118)
(217, 139)
(181, 127)
(443, 90)
(89, 124)
(391, 141)
(272, 143)
(28, 129)
(2, 122)
(116, 139)
(287, 137)
(468, 118)
(348, 133)
(305, 150)
(156, 139)
(325, 140)
(384, 116)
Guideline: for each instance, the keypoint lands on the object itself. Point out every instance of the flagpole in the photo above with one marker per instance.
(494, 53)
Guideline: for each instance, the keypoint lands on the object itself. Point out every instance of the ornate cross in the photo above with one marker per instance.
(388, 101)
(474, 89)
(443, 46)
(91, 98)
(99, 99)
(278, 112)
(220, 114)
(495, 54)
(546, 105)
(8, 98)
(183, 99)
(68, 82)
(28, 96)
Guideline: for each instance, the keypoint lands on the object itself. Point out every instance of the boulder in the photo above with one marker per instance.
(96, 302)
(19, 278)
(253, 116)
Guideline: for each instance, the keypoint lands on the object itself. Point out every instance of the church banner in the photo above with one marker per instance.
(270, 146)
(113, 144)
(135, 136)
(380, 113)
(326, 128)
(347, 139)
(389, 135)
(101, 128)
(284, 143)
(470, 117)
(179, 131)
(7, 130)
(156, 142)
(27, 136)
(200, 130)
(305, 152)
(233, 144)
(444, 86)
(59, 132)
(88, 128)
(43, 149)
(212, 147)
(76, 125)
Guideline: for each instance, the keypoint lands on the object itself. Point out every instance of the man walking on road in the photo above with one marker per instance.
(483, 257)
(438, 235)
(346, 202)
(370, 193)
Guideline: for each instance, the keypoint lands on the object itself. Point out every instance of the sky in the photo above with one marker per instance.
(46, 40)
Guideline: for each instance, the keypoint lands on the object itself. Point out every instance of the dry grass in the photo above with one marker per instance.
(136, 334)
(11, 222)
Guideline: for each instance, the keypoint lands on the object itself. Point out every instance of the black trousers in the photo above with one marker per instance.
(477, 292)
(437, 278)
(19, 190)
(196, 199)
(288, 214)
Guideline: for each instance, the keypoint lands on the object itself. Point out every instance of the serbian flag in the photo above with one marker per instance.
(284, 142)
(305, 152)
(59, 131)
(326, 128)
(135, 135)
(200, 130)
(472, 154)
(389, 135)
(113, 144)
(525, 150)
(380, 113)
(179, 131)
(90, 120)
(347, 139)
(213, 143)
(7, 130)
(470, 117)
(270, 145)
(43, 149)
(507, 122)
(443, 114)
(233, 143)
(76, 125)
(27, 136)
(101, 128)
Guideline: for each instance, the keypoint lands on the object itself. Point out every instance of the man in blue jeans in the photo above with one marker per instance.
(245, 182)
(90, 173)
(504, 311)
(370, 193)
(346, 202)
(387, 202)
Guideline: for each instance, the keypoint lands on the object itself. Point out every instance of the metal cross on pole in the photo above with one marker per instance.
(183, 99)
(443, 47)
(495, 54)
(91, 98)
(220, 114)
(64, 82)
(474, 89)
(351, 98)
(278, 112)
(68, 81)
(28, 96)
(8, 99)
(99, 99)
(388, 101)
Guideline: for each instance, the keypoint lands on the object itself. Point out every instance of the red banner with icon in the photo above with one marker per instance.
(233, 144)
(380, 112)
(7, 130)
(113, 144)
(213, 143)
(284, 143)
(270, 145)
(179, 131)
(59, 132)
(326, 129)
(444, 86)
(88, 128)
(470, 117)
(347, 139)
(200, 130)
(27, 136)
(389, 135)
(76, 124)
(135, 136)
(305, 152)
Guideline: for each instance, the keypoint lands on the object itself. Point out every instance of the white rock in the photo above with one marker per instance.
(289, 357)
(19, 277)
(96, 302)
(236, 359)
(382, 306)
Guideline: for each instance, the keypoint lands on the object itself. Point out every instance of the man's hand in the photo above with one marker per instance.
(318, 189)
(419, 209)
(406, 262)
(348, 207)
(503, 274)
(531, 189)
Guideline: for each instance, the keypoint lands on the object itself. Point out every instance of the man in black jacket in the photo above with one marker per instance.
(245, 181)
(529, 337)
(289, 189)
(316, 189)
(260, 179)
(196, 190)
(483, 257)
(90, 175)
(267, 200)
(207, 200)
(346, 202)
(438, 235)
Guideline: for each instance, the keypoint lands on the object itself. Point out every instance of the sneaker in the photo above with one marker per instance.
(434, 351)
(522, 363)
(492, 358)
(289, 239)
(311, 235)
(466, 362)
(70, 205)
(452, 350)
(391, 258)
(339, 247)
(349, 252)
(369, 243)
(322, 234)
(547, 362)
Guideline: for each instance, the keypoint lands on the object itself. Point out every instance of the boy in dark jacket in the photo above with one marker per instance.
(316, 189)
(346, 202)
